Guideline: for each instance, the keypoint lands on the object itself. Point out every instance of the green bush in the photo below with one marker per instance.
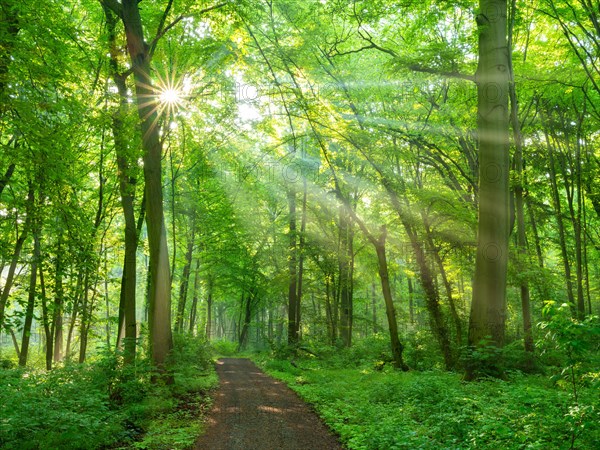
(224, 347)
(106, 403)
(436, 409)
(66, 408)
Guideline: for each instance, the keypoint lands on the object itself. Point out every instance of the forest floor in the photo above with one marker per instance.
(254, 411)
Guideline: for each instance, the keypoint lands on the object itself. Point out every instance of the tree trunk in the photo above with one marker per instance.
(243, 341)
(411, 300)
(185, 280)
(536, 235)
(329, 312)
(374, 308)
(436, 318)
(488, 306)
(301, 263)
(74, 312)
(49, 335)
(397, 347)
(30, 299)
(576, 216)
(447, 285)
(15, 258)
(194, 308)
(293, 277)
(126, 165)
(85, 318)
(559, 222)
(7, 176)
(519, 201)
(58, 303)
(159, 314)
(15, 342)
(345, 277)
(209, 307)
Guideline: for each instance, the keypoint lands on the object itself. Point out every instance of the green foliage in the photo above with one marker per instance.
(578, 343)
(171, 414)
(65, 408)
(106, 403)
(421, 352)
(190, 362)
(224, 347)
(484, 360)
(431, 410)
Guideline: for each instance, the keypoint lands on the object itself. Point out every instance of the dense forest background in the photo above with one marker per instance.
(414, 179)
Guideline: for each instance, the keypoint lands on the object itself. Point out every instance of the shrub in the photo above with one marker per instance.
(65, 408)
(224, 347)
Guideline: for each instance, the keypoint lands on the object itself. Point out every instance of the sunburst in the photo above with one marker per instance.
(169, 94)
(170, 97)
(165, 96)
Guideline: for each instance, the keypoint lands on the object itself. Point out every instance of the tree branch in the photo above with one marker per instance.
(162, 29)
(420, 68)
(163, 19)
(414, 67)
(114, 6)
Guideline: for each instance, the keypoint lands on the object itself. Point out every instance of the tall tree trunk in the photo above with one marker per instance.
(436, 317)
(245, 326)
(74, 312)
(106, 300)
(48, 332)
(329, 312)
(576, 216)
(345, 276)
(209, 308)
(85, 318)
(411, 300)
(292, 268)
(536, 235)
(488, 306)
(58, 303)
(559, 221)
(30, 298)
(518, 190)
(397, 347)
(194, 308)
(374, 309)
(301, 262)
(185, 280)
(126, 165)
(159, 317)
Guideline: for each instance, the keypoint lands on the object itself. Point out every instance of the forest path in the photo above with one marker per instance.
(252, 411)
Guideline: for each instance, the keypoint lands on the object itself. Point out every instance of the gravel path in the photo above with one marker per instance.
(252, 411)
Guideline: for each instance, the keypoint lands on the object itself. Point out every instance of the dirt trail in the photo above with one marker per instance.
(252, 411)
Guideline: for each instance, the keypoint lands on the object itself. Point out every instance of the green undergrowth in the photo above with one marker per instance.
(371, 406)
(107, 404)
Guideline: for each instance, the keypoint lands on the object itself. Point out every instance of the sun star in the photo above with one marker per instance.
(170, 96)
